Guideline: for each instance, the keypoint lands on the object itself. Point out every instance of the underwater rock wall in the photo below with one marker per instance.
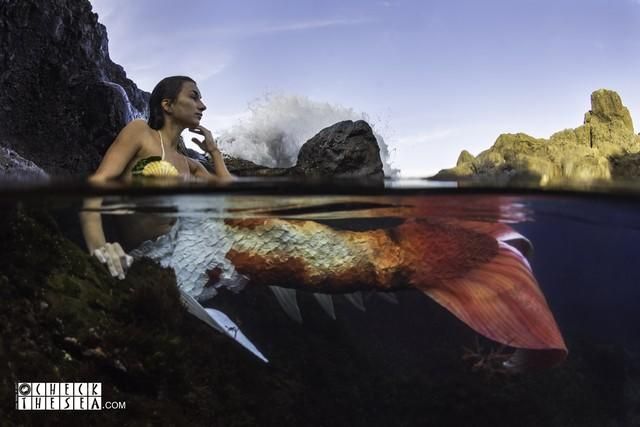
(63, 99)
(605, 147)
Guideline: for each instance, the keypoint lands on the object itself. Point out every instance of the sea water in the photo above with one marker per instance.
(402, 362)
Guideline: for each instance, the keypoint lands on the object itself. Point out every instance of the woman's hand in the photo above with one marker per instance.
(116, 259)
(208, 145)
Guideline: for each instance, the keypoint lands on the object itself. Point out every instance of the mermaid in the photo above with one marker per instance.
(478, 271)
(139, 149)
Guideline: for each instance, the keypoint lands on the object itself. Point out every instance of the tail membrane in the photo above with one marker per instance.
(501, 300)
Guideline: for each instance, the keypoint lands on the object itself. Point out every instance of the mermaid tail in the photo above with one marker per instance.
(475, 270)
(197, 261)
(509, 307)
(220, 322)
(467, 267)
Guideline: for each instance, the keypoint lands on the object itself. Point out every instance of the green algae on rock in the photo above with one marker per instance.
(64, 319)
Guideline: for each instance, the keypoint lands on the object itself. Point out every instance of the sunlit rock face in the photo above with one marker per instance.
(63, 100)
(604, 147)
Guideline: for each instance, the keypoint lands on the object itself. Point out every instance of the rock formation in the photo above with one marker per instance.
(604, 147)
(344, 150)
(63, 100)
(15, 166)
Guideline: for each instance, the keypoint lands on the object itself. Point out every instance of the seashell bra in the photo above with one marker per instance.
(155, 166)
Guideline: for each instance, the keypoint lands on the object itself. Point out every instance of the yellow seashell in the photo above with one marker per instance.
(160, 168)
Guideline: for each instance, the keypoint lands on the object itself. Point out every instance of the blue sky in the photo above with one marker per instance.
(433, 77)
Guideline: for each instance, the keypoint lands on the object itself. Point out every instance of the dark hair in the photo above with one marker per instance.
(167, 88)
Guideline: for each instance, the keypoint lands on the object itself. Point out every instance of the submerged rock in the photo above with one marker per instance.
(604, 147)
(64, 319)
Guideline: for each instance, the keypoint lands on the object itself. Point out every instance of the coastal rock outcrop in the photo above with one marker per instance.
(604, 147)
(63, 99)
(346, 149)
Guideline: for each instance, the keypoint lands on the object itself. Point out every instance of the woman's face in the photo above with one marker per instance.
(188, 107)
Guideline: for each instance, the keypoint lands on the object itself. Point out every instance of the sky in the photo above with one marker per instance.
(432, 77)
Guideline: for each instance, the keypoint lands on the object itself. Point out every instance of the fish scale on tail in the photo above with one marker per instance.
(465, 266)
(476, 270)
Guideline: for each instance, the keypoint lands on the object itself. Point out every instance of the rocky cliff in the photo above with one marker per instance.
(604, 147)
(63, 100)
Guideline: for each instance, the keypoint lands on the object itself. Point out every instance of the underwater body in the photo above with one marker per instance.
(403, 360)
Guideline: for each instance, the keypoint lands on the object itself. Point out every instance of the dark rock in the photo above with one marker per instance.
(625, 166)
(67, 100)
(15, 166)
(243, 167)
(344, 150)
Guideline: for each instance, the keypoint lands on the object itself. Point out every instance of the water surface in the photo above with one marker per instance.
(410, 363)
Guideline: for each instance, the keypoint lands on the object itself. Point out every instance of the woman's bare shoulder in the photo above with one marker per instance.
(129, 142)
(137, 125)
(136, 131)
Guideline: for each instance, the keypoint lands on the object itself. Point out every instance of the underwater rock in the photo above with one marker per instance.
(346, 149)
(63, 319)
(66, 99)
(604, 147)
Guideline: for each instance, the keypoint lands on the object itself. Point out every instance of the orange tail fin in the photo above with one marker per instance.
(501, 300)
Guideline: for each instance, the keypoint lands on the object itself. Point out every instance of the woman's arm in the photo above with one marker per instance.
(208, 145)
(218, 164)
(124, 148)
(91, 223)
(110, 254)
